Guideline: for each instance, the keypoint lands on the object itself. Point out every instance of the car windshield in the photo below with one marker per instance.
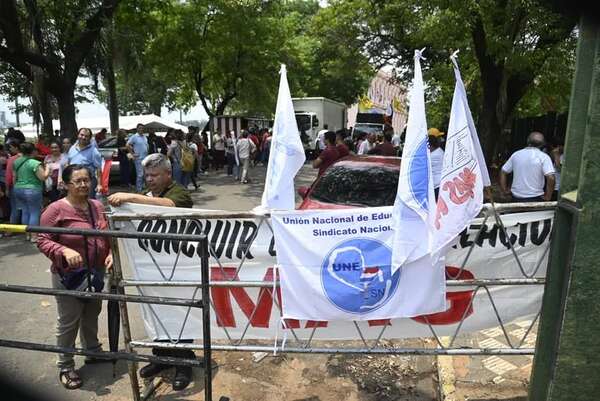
(357, 185)
(108, 143)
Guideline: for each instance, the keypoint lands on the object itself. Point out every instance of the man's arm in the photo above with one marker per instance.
(317, 162)
(119, 198)
(550, 182)
(504, 182)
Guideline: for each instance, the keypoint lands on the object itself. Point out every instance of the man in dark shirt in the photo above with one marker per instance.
(161, 191)
(340, 144)
(329, 155)
(386, 148)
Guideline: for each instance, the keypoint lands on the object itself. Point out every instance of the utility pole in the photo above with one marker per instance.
(567, 358)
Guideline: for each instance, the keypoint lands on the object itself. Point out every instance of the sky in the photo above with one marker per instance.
(87, 110)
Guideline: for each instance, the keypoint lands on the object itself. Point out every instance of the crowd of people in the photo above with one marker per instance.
(65, 176)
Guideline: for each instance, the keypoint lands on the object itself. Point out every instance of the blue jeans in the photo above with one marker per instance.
(139, 174)
(29, 201)
(186, 176)
(177, 173)
(14, 212)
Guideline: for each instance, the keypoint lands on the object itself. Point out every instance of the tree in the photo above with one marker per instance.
(62, 34)
(506, 45)
(229, 53)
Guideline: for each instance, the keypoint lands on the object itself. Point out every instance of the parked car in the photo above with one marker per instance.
(109, 151)
(354, 181)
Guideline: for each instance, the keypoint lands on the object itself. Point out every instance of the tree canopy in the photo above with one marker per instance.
(516, 56)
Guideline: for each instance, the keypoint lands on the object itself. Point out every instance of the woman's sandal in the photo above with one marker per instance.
(70, 379)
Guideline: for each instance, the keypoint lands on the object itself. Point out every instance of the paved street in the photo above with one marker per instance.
(292, 377)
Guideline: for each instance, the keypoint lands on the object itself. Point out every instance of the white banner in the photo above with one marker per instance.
(236, 309)
(348, 276)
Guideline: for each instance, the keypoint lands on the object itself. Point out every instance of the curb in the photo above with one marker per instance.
(445, 372)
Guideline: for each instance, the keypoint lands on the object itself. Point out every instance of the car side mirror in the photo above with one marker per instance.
(303, 191)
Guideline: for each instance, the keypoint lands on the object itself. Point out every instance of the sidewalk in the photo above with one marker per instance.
(487, 377)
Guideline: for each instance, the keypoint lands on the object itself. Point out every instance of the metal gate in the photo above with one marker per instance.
(301, 340)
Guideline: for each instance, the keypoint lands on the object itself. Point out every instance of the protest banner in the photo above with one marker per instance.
(249, 242)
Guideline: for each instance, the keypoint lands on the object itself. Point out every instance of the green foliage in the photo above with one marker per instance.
(527, 48)
(227, 54)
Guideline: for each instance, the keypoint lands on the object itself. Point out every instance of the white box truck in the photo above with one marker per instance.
(313, 113)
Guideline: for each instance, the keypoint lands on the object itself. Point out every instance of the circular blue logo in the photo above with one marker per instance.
(357, 275)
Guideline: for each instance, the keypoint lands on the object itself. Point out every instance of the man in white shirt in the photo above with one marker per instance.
(320, 140)
(245, 148)
(367, 144)
(531, 169)
(437, 162)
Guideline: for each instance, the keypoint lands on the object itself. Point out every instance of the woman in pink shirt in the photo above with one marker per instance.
(57, 161)
(69, 258)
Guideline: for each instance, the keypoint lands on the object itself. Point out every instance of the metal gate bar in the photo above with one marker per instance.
(101, 295)
(326, 350)
(123, 298)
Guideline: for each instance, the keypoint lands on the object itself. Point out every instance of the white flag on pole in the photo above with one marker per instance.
(464, 173)
(422, 285)
(287, 153)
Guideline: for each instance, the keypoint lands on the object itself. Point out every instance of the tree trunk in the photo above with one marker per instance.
(46, 112)
(66, 111)
(17, 119)
(489, 131)
(113, 106)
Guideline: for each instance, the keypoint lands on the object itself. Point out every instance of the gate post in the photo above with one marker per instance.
(566, 361)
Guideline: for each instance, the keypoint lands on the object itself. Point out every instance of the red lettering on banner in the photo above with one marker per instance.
(460, 301)
(259, 313)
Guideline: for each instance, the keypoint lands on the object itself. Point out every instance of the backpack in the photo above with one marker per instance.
(187, 159)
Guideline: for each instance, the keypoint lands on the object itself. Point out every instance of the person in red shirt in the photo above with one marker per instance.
(100, 135)
(43, 147)
(15, 153)
(70, 257)
(329, 155)
(341, 146)
(386, 148)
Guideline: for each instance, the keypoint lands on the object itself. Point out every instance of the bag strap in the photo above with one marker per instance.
(93, 223)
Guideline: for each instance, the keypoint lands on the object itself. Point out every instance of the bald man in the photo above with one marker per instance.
(532, 170)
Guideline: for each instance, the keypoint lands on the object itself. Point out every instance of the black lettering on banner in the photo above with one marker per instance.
(464, 238)
(144, 226)
(215, 237)
(219, 250)
(231, 243)
(272, 246)
(539, 238)
(173, 228)
(512, 238)
(522, 234)
(159, 227)
(244, 244)
(490, 235)
(194, 228)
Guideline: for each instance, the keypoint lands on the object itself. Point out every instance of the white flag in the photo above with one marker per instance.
(287, 153)
(464, 172)
(422, 286)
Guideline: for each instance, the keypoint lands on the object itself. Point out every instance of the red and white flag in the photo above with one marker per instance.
(464, 173)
